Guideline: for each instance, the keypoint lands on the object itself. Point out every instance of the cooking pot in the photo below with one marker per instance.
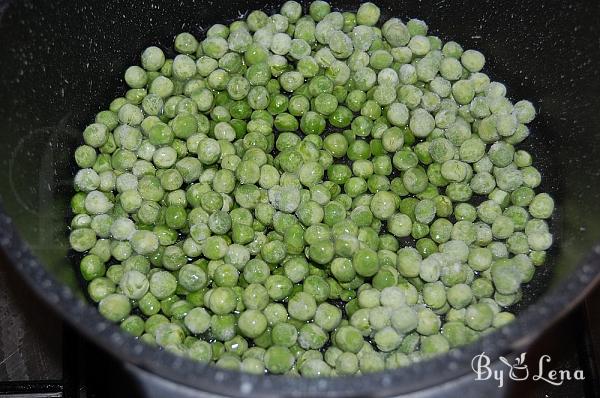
(63, 61)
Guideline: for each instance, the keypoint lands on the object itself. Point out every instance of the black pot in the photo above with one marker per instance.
(62, 61)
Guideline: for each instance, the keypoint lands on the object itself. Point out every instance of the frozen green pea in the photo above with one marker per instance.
(541, 206)
(479, 316)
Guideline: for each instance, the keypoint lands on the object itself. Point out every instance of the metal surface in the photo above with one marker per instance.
(30, 339)
(62, 61)
(31, 343)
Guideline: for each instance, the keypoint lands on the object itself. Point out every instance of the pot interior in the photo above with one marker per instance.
(63, 61)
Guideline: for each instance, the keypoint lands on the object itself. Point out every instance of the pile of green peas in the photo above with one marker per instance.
(316, 195)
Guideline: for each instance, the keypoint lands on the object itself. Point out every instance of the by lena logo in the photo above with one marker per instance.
(519, 370)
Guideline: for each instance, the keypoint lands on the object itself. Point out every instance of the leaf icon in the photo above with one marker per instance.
(505, 361)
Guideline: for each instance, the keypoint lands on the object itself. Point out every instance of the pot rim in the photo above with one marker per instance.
(457, 362)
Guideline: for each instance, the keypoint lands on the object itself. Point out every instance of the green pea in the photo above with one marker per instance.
(242, 190)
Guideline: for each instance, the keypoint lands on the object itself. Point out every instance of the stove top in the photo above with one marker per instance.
(35, 362)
